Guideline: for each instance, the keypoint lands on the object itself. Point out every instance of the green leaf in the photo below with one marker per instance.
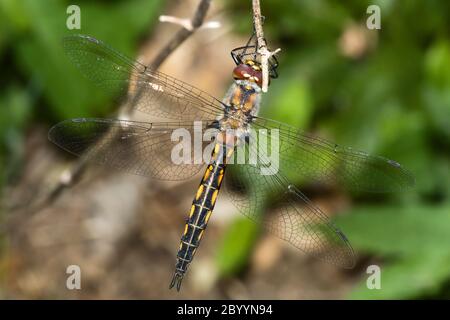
(408, 278)
(237, 243)
(40, 54)
(436, 91)
(414, 242)
(437, 63)
(15, 111)
(398, 231)
(290, 101)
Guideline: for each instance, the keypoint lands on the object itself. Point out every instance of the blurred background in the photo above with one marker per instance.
(384, 91)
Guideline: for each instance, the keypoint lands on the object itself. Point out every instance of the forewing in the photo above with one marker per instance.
(146, 90)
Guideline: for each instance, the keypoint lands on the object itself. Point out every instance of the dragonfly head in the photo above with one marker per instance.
(249, 70)
(249, 52)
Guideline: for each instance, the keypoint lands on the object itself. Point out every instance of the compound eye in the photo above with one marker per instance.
(242, 72)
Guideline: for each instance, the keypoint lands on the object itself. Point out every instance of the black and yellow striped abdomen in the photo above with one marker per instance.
(199, 214)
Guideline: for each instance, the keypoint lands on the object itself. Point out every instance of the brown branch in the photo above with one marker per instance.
(261, 44)
(257, 23)
(72, 174)
(182, 34)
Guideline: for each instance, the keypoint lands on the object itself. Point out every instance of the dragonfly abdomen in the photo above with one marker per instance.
(199, 215)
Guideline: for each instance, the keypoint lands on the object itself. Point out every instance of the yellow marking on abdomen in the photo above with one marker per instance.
(214, 197)
(207, 174)
(219, 181)
(192, 211)
(216, 149)
(208, 215)
(199, 192)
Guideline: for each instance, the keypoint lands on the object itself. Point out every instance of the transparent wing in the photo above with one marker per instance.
(135, 147)
(317, 159)
(294, 219)
(147, 90)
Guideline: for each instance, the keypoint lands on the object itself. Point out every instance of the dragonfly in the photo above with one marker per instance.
(146, 148)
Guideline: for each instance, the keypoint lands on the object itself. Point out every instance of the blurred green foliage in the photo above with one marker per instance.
(414, 241)
(15, 107)
(236, 246)
(37, 80)
(391, 99)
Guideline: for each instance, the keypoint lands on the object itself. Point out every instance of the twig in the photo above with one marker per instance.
(187, 23)
(261, 44)
(72, 174)
(182, 34)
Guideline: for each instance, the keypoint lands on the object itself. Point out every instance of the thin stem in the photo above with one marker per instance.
(182, 34)
(261, 44)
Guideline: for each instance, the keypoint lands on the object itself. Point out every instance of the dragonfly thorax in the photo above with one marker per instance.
(243, 100)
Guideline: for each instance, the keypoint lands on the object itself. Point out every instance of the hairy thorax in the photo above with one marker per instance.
(243, 104)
